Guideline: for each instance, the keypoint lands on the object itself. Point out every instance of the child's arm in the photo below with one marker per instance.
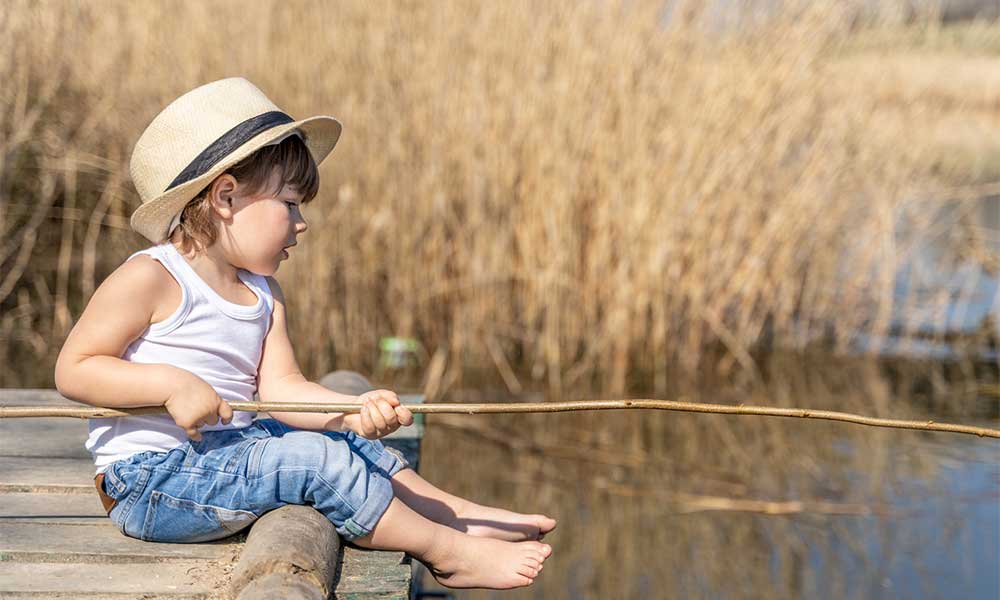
(280, 380)
(89, 368)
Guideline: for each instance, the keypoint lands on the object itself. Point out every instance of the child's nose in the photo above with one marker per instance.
(301, 225)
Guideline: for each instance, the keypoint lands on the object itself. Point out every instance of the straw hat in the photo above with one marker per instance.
(200, 135)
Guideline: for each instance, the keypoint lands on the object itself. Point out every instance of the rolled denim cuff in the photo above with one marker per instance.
(392, 460)
(361, 523)
(364, 519)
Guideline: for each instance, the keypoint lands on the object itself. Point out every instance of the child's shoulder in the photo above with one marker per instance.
(145, 272)
(146, 282)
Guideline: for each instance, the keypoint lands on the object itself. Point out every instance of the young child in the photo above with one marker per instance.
(197, 321)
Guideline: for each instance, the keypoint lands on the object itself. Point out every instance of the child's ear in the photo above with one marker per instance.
(221, 195)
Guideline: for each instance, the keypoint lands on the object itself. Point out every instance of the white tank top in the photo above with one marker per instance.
(215, 339)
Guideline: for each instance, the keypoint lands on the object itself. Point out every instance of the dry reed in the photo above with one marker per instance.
(577, 192)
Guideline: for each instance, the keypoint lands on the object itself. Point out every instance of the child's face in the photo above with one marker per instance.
(262, 226)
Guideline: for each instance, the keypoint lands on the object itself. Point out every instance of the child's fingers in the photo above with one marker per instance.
(404, 415)
(194, 434)
(225, 412)
(387, 395)
(367, 426)
(378, 419)
(388, 413)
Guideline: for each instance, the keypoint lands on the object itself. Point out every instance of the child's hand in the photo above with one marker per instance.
(195, 403)
(381, 414)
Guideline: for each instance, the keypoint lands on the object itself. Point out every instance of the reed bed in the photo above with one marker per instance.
(582, 194)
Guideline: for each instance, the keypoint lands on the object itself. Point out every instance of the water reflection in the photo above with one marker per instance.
(657, 504)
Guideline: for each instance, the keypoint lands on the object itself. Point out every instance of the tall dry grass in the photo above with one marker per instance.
(577, 192)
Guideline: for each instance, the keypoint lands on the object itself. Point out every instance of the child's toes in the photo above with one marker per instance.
(537, 556)
(545, 549)
(527, 571)
(545, 524)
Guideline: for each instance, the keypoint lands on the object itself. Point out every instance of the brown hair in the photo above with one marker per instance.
(293, 160)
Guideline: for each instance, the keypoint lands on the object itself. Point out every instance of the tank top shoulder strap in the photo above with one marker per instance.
(261, 288)
(152, 251)
(194, 287)
(161, 255)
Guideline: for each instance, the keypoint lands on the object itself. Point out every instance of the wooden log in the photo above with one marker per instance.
(282, 585)
(293, 540)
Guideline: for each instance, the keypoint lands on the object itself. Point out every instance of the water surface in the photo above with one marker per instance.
(661, 505)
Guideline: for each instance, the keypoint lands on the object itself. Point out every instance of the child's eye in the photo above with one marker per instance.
(291, 204)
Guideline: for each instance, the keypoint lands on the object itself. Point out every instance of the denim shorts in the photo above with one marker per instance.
(209, 489)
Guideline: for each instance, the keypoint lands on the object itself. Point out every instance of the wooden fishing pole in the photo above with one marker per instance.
(85, 412)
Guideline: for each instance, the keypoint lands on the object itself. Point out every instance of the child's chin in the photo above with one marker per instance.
(265, 267)
(265, 270)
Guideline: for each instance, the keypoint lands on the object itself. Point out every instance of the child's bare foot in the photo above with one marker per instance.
(465, 515)
(487, 521)
(464, 561)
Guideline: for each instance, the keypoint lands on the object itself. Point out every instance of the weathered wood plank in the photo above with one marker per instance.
(97, 543)
(361, 572)
(367, 574)
(51, 508)
(20, 473)
(104, 596)
(34, 397)
(44, 437)
(69, 527)
(186, 578)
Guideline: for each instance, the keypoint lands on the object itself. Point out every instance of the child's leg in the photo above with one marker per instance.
(457, 559)
(464, 515)
(440, 506)
(348, 479)
(436, 504)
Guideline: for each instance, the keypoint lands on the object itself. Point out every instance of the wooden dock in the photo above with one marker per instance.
(57, 542)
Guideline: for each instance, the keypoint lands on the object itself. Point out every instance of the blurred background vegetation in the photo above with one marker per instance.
(584, 194)
(784, 203)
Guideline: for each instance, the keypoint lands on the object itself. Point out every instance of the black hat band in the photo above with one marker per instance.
(227, 142)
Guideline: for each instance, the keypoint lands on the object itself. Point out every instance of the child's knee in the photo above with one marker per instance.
(378, 456)
(303, 451)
